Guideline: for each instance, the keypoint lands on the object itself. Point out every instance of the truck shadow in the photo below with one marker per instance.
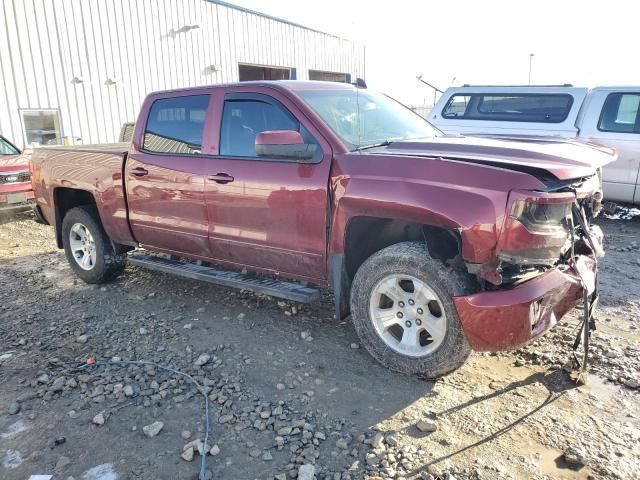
(9, 217)
(555, 382)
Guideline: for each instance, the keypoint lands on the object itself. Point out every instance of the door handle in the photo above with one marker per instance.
(140, 172)
(221, 178)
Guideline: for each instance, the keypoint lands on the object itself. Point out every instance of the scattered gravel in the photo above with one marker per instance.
(292, 394)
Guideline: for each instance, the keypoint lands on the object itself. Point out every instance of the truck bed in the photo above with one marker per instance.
(95, 170)
(118, 148)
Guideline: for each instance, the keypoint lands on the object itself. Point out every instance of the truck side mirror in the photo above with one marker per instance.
(286, 144)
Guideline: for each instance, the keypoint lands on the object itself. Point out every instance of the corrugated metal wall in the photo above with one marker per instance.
(119, 50)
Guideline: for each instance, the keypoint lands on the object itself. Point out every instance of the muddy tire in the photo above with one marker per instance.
(403, 312)
(91, 254)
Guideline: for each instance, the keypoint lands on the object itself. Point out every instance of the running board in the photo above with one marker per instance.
(275, 288)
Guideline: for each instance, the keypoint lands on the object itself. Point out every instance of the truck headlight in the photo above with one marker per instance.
(535, 232)
(542, 217)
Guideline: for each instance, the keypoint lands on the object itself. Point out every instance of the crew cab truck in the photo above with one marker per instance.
(435, 245)
(607, 116)
(15, 181)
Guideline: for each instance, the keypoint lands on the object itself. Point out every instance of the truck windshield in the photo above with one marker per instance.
(6, 148)
(364, 119)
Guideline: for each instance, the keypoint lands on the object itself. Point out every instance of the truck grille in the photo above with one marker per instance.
(14, 177)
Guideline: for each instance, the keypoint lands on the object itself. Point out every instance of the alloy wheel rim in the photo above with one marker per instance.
(83, 247)
(408, 315)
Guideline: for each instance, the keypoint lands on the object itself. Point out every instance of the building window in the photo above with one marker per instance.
(41, 126)
(329, 76)
(262, 72)
(621, 113)
(175, 125)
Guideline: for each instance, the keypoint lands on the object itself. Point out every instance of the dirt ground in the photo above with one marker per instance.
(291, 392)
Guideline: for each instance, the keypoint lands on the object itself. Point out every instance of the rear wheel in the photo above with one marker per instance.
(90, 252)
(403, 312)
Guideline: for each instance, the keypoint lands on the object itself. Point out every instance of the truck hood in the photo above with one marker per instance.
(563, 159)
(9, 163)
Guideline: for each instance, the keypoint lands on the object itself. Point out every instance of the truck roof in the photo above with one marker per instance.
(503, 89)
(566, 88)
(289, 85)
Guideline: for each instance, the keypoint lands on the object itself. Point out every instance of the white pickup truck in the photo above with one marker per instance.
(609, 116)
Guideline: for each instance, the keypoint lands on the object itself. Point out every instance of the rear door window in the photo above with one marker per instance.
(175, 125)
(530, 107)
(620, 113)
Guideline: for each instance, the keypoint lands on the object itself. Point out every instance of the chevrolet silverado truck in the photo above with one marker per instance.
(435, 245)
(15, 181)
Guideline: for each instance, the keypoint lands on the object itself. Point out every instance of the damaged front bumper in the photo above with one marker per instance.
(509, 318)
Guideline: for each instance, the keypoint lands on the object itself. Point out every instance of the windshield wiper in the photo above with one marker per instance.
(386, 143)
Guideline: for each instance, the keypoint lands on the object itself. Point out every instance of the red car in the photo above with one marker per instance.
(16, 193)
(435, 245)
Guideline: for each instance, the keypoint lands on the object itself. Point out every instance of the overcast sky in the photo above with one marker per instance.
(587, 43)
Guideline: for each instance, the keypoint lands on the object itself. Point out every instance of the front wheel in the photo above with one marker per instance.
(91, 254)
(403, 312)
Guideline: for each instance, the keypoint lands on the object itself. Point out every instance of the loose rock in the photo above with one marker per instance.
(61, 463)
(342, 444)
(378, 441)
(573, 456)
(187, 455)
(426, 427)
(202, 360)
(99, 419)
(14, 408)
(306, 472)
(153, 429)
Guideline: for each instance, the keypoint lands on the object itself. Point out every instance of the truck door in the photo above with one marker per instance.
(613, 120)
(266, 213)
(164, 177)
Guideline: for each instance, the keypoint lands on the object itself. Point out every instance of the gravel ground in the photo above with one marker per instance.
(291, 393)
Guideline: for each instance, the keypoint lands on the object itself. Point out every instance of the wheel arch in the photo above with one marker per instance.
(365, 235)
(64, 199)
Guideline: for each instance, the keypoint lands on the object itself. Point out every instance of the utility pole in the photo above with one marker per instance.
(531, 55)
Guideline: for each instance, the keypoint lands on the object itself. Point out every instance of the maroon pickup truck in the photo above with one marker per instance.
(435, 245)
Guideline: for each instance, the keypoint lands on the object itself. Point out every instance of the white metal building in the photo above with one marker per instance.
(73, 71)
